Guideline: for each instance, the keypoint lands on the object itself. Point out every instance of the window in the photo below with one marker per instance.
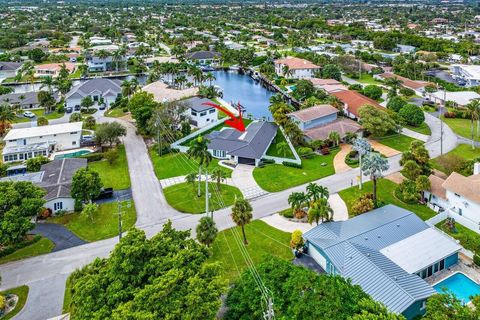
(194, 113)
(74, 143)
(203, 113)
(58, 206)
(424, 273)
(211, 111)
(430, 271)
(442, 264)
(457, 195)
(20, 156)
(435, 267)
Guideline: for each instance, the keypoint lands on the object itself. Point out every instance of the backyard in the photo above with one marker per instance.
(273, 149)
(398, 142)
(183, 196)
(113, 175)
(367, 78)
(277, 177)
(385, 193)
(263, 240)
(469, 239)
(42, 246)
(104, 224)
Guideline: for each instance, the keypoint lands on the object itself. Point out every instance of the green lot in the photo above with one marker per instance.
(423, 129)
(385, 194)
(38, 113)
(104, 224)
(183, 196)
(398, 142)
(461, 127)
(22, 294)
(367, 79)
(272, 150)
(263, 240)
(469, 239)
(178, 164)
(277, 177)
(114, 175)
(464, 151)
(42, 246)
(115, 113)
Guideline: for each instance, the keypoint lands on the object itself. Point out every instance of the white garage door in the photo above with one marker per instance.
(317, 257)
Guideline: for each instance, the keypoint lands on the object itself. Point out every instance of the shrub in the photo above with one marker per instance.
(34, 164)
(291, 164)
(407, 92)
(111, 155)
(451, 163)
(268, 161)
(78, 205)
(75, 117)
(373, 92)
(287, 213)
(42, 121)
(412, 115)
(407, 192)
(90, 123)
(305, 152)
(92, 157)
(363, 204)
(356, 87)
(450, 115)
(61, 108)
(297, 239)
(396, 103)
(11, 249)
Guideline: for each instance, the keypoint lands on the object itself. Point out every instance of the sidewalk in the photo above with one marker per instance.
(415, 135)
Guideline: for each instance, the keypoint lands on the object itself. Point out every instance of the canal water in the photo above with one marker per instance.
(241, 88)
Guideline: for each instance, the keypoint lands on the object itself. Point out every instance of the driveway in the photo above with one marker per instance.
(242, 178)
(58, 234)
(339, 160)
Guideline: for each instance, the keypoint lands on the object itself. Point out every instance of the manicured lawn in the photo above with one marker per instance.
(67, 296)
(104, 224)
(464, 151)
(461, 127)
(277, 177)
(114, 175)
(183, 196)
(272, 150)
(385, 194)
(367, 78)
(469, 239)
(42, 246)
(178, 164)
(263, 241)
(398, 142)
(38, 113)
(116, 113)
(22, 294)
(423, 129)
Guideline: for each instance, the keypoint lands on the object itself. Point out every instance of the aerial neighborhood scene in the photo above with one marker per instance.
(230, 159)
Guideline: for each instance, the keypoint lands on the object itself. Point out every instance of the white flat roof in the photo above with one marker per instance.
(473, 70)
(421, 250)
(460, 97)
(43, 131)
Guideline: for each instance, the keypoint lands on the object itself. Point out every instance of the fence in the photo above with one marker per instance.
(178, 144)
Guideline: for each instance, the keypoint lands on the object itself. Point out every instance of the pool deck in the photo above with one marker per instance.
(465, 265)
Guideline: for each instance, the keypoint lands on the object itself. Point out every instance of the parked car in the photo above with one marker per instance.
(102, 106)
(68, 109)
(105, 193)
(87, 138)
(77, 107)
(29, 114)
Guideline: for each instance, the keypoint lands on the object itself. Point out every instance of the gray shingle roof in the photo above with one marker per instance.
(10, 66)
(102, 85)
(25, 98)
(203, 55)
(353, 247)
(195, 103)
(57, 176)
(253, 143)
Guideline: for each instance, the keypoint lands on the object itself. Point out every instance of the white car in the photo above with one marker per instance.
(29, 114)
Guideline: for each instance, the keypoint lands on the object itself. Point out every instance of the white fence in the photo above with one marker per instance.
(438, 218)
(178, 144)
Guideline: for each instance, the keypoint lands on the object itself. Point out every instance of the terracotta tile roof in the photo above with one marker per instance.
(56, 66)
(322, 82)
(355, 101)
(412, 84)
(334, 88)
(468, 187)
(314, 112)
(436, 186)
(342, 126)
(297, 63)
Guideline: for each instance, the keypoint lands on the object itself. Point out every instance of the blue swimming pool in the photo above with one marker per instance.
(460, 285)
(72, 154)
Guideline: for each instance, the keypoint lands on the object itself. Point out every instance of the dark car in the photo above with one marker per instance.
(68, 109)
(102, 106)
(77, 107)
(105, 193)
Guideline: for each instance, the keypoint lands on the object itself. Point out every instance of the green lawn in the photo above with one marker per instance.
(67, 296)
(114, 175)
(461, 127)
(104, 224)
(115, 113)
(385, 193)
(469, 239)
(42, 246)
(367, 79)
(39, 113)
(22, 294)
(272, 150)
(277, 177)
(263, 240)
(423, 129)
(183, 197)
(75, 75)
(464, 151)
(178, 164)
(398, 142)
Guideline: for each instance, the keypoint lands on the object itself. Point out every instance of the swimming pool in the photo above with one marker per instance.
(460, 285)
(72, 154)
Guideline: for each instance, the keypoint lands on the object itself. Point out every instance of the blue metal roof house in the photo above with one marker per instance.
(388, 252)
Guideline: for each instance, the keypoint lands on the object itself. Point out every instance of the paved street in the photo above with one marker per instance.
(152, 211)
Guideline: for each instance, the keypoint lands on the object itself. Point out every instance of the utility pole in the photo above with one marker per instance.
(207, 196)
(360, 166)
(442, 106)
(269, 314)
(120, 207)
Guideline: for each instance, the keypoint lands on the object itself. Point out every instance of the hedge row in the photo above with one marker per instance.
(11, 249)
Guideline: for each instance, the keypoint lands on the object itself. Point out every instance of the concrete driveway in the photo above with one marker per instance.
(242, 178)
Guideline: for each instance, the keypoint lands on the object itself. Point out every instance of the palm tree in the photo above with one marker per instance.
(102, 54)
(335, 137)
(472, 111)
(210, 77)
(276, 98)
(296, 200)
(7, 116)
(199, 151)
(374, 165)
(83, 68)
(241, 215)
(206, 231)
(320, 210)
(219, 175)
(191, 178)
(394, 83)
(286, 71)
(283, 148)
(47, 82)
(315, 192)
(30, 75)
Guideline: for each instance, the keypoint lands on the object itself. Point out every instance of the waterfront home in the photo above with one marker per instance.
(25, 100)
(55, 178)
(52, 69)
(23, 144)
(319, 121)
(296, 68)
(458, 98)
(468, 73)
(353, 101)
(329, 85)
(204, 57)
(246, 147)
(99, 41)
(99, 89)
(389, 252)
(200, 115)
(415, 85)
(9, 69)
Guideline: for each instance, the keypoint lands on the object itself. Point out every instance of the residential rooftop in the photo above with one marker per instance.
(52, 129)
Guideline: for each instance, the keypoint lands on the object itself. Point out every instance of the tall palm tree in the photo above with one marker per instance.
(47, 82)
(242, 215)
(316, 191)
(320, 210)
(30, 75)
(191, 178)
(210, 78)
(374, 165)
(199, 151)
(471, 110)
(394, 83)
(7, 116)
(286, 71)
(219, 176)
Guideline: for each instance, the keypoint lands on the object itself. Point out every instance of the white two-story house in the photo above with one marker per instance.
(200, 115)
(23, 144)
(296, 68)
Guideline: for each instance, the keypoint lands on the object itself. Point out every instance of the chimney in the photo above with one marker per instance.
(476, 168)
